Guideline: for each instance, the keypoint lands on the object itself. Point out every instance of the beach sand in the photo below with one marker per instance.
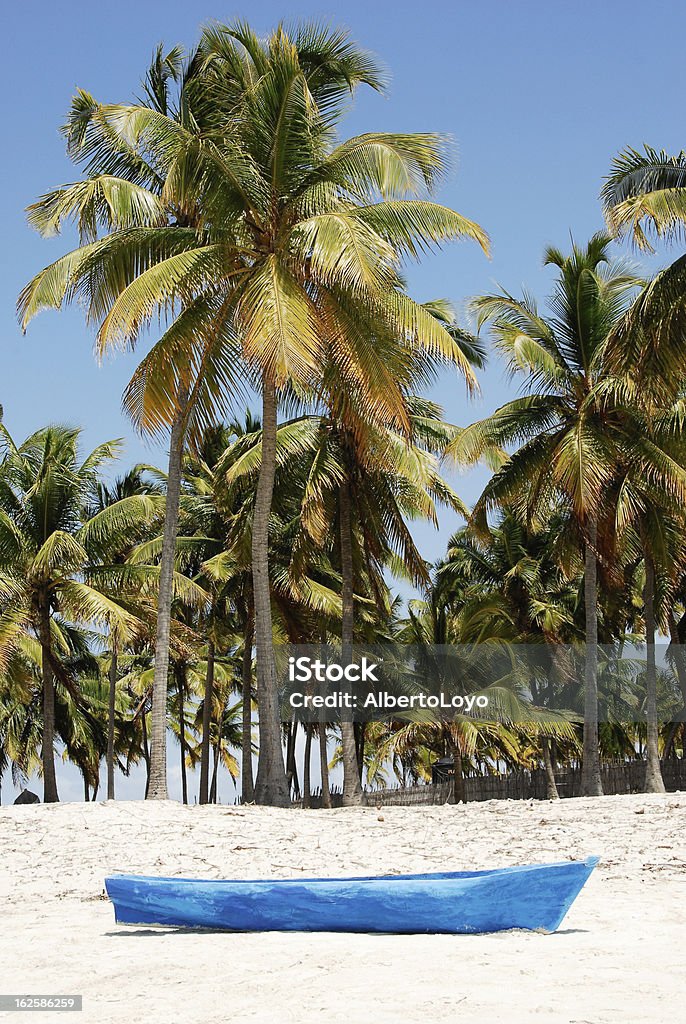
(618, 956)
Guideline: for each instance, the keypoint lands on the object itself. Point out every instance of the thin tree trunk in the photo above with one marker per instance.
(680, 664)
(50, 795)
(110, 718)
(146, 751)
(653, 783)
(86, 788)
(206, 723)
(360, 737)
(550, 784)
(291, 769)
(217, 753)
(181, 685)
(157, 790)
(352, 788)
(591, 784)
(247, 784)
(324, 766)
(271, 786)
(670, 747)
(295, 780)
(307, 786)
(459, 796)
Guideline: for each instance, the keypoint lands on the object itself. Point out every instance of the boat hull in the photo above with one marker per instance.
(535, 898)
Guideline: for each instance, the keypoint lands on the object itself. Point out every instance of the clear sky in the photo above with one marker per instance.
(538, 97)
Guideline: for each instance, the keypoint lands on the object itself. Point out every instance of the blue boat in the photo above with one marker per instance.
(536, 897)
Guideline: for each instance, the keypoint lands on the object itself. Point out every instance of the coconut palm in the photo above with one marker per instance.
(106, 496)
(276, 241)
(134, 219)
(507, 584)
(653, 512)
(358, 490)
(50, 540)
(432, 626)
(644, 197)
(570, 434)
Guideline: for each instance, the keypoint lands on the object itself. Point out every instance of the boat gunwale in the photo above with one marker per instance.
(589, 863)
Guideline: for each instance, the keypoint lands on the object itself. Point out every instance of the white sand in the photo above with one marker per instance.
(618, 957)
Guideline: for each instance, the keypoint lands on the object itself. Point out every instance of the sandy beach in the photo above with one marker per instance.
(617, 957)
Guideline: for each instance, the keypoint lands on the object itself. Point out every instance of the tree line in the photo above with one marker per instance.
(221, 211)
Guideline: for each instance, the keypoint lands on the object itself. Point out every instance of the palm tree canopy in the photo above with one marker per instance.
(231, 214)
(563, 426)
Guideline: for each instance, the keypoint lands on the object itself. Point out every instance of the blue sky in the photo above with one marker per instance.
(538, 97)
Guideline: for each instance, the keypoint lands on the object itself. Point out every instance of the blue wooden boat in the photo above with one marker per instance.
(535, 897)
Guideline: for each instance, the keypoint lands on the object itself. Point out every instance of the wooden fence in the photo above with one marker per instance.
(617, 778)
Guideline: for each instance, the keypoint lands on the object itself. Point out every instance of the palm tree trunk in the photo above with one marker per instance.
(670, 747)
(459, 796)
(360, 737)
(352, 788)
(146, 750)
(550, 784)
(591, 784)
(271, 786)
(50, 795)
(110, 717)
(157, 790)
(654, 783)
(217, 754)
(291, 770)
(324, 766)
(680, 665)
(247, 785)
(206, 722)
(307, 786)
(181, 686)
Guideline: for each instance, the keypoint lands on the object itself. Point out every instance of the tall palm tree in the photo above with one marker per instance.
(368, 483)
(116, 554)
(507, 583)
(644, 197)
(652, 508)
(264, 233)
(358, 490)
(49, 542)
(570, 436)
(137, 225)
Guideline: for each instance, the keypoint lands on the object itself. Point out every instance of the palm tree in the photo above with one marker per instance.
(49, 542)
(358, 489)
(645, 195)
(653, 507)
(507, 584)
(130, 485)
(138, 225)
(262, 232)
(570, 434)
(323, 262)
(443, 621)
